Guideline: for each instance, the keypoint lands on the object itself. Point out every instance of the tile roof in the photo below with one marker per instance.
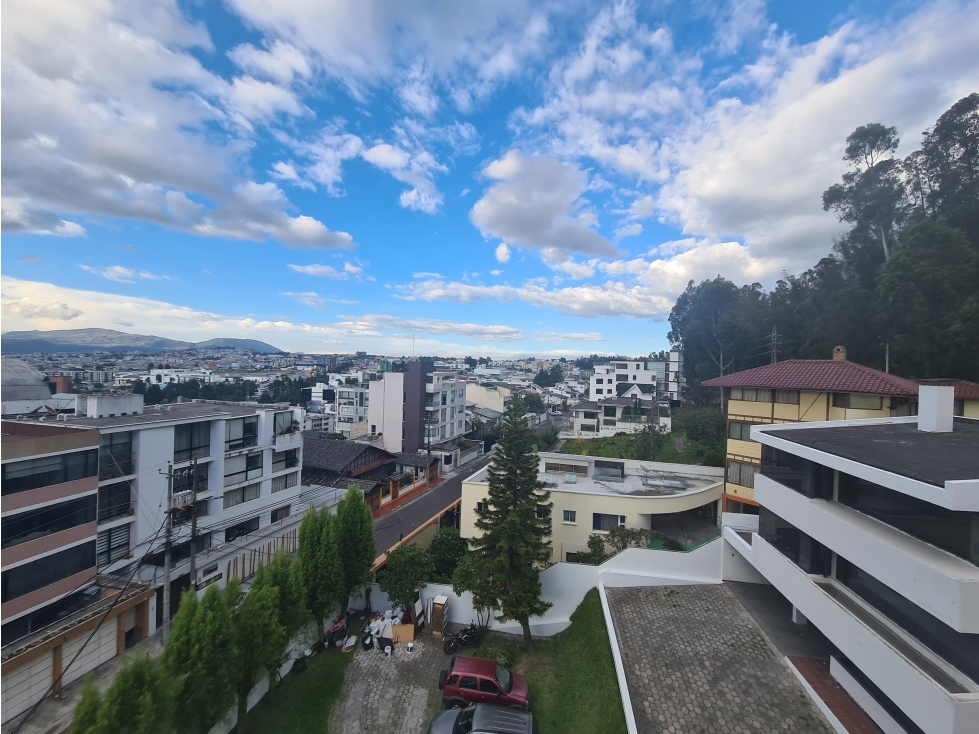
(419, 460)
(964, 390)
(332, 454)
(819, 374)
(623, 387)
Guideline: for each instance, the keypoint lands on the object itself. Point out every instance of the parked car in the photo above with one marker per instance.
(477, 680)
(483, 718)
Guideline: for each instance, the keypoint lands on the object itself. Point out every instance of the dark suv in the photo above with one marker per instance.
(477, 680)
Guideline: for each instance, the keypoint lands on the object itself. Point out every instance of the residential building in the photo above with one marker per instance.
(352, 405)
(799, 390)
(593, 495)
(870, 528)
(166, 376)
(607, 417)
(53, 596)
(488, 395)
(675, 382)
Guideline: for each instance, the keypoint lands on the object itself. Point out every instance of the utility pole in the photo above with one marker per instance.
(774, 344)
(166, 555)
(193, 531)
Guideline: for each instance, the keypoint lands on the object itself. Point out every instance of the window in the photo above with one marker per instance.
(242, 494)
(789, 397)
(114, 501)
(556, 468)
(866, 402)
(241, 433)
(608, 411)
(242, 528)
(280, 513)
(468, 682)
(481, 506)
(191, 440)
(26, 526)
(112, 545)
(804, 476)
(599, 381)
(452, 681)
(183, 479)
(184, 515)
(488, 686)
(283, 422)
(285, 481)
(606, 522)
(739, 431)
(955, 532)
(116, 455)
(282, 460)
(741, 474)
(45, 571)
(622, 378)
(242, 468)
(751, 394)
(21, 476)
(570, 516)
(609, 469)
(806, 553)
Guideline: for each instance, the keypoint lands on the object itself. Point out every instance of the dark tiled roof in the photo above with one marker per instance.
(325, 478)
(414, 459)
(819, 374)
(331, 454)
(964, 390)
(624, 387)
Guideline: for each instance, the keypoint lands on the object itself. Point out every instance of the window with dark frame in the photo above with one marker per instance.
(22, 476)
(241, 433)
(191, 441)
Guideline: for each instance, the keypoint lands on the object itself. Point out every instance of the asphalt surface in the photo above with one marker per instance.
(393, 526)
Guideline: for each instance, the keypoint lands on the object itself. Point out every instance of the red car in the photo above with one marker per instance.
(477, 680)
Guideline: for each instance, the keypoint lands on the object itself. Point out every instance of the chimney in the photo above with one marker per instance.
(935, 408)
(839, 354)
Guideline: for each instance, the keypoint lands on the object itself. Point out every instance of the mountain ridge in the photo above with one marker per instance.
(110, 340)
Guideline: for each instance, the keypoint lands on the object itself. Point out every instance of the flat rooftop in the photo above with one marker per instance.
(933, 458)
(175, 412)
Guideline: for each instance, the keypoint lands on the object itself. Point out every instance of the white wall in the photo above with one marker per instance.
(26, 685)
(386, 409)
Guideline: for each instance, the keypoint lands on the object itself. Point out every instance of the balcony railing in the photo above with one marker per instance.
(112, 466)
(114, 512)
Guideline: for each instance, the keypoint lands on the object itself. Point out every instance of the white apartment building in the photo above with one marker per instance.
(494, 397)
(675, 381)
(870, 528)
(609, 378)
(445, 407)
(352, 407)
(593, 495)
(162, 377)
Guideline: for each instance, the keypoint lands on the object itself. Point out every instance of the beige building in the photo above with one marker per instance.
(592, 494)
(494, 397)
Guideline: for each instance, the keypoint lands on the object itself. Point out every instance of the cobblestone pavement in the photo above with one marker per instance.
(396, 695)
(696, 662)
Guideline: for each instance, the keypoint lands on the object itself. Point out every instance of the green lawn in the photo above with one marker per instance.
(617, 447)
(572, 680)
(302, 704)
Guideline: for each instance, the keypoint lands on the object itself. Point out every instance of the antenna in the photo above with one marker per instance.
(773, 345)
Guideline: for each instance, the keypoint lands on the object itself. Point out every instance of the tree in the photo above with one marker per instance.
(283, 573)
(470, 576)
(153, 395)
(516, 524)
(138, 387)
(202, 662)
(447, 549)
(406, 569)
(532, 402)
(85, 718)
(137, 701)
(260, 639)
(355, 540)
(318, 564)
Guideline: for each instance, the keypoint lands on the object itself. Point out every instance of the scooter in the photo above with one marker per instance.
(466, 637)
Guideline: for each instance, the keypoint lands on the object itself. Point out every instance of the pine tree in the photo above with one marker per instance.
(355, 540)
(311, 567)
(177, 661)
(136, 702)
(283, 573)
(87, 711)
(332, 565)
(516, 525)
(260, 638)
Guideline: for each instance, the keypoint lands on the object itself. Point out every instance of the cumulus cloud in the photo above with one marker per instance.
(502, 252)
(536, 203)
(496, 272)
(30, 309)
(84, 127)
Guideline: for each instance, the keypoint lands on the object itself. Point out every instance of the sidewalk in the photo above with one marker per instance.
(406, 498)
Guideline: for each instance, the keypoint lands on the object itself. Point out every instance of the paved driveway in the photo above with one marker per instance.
(696, 661)
(391, 695)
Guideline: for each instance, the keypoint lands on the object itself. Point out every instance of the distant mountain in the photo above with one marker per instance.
(109, 340)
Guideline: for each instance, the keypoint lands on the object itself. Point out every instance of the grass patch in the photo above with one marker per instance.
(302, 704)
(572, 680)
(619, 446)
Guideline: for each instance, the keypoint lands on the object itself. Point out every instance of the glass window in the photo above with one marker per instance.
(242, 468)
(280, 513)
(504, 678)
(806, 553)
(955, 532)
(285, 481)
(841, 400)
(859, 401)
(790, 397)
(116, 455)
(242, 494)
(739, 431)
(958, 648)
(607, 522)
(45, 571)
(26, 526)
(570, 515)
(183, 479)
(741, 474)
(112, 545)
(114, 501)
(191, 441)
(488, 686)
(609, 470)
(468, 682)
(241, 433)
(282, 460)
(21, 476)
(242, 528)
(283, 423)
(804, 476)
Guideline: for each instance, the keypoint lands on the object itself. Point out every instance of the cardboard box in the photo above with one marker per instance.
(402, 632)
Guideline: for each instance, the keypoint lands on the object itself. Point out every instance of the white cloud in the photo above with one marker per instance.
(122, 322)
(376, 325)
(560, 336)
(496, 272)
(536, 202)
(21, 217)
(736, 22)
(628, 230)
(93, 92)
(308, 298)
(502, 252)
(30, 309)
(319, 271)
(122, 274)
(282, 62)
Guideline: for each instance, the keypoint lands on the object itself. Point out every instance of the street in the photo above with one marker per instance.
(389, 529)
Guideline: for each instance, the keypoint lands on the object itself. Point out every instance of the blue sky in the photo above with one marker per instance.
(502, 178)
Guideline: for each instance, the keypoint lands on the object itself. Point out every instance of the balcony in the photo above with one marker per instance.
(291, 440)
(114, 465)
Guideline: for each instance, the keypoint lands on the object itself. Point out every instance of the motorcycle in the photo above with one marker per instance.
(466, 637)
(337, 634)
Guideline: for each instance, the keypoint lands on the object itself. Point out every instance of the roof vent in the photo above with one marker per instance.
(936, 405)
(839, 354)
(570, 478)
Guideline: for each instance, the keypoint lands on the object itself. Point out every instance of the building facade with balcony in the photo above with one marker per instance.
(797, 391)
(53, 595)
(870, 528)
(352, 409)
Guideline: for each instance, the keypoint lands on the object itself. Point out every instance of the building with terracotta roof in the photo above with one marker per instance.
(794, 391)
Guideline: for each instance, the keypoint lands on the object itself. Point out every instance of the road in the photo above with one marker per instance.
(390, 528)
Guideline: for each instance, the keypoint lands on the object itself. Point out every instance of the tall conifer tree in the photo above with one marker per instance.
(355, 542)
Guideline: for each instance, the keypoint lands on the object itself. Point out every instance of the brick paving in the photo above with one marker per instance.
(850, 715)
(696, 662)
(396, 695)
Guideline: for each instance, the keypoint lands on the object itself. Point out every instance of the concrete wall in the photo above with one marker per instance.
(387, 408)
